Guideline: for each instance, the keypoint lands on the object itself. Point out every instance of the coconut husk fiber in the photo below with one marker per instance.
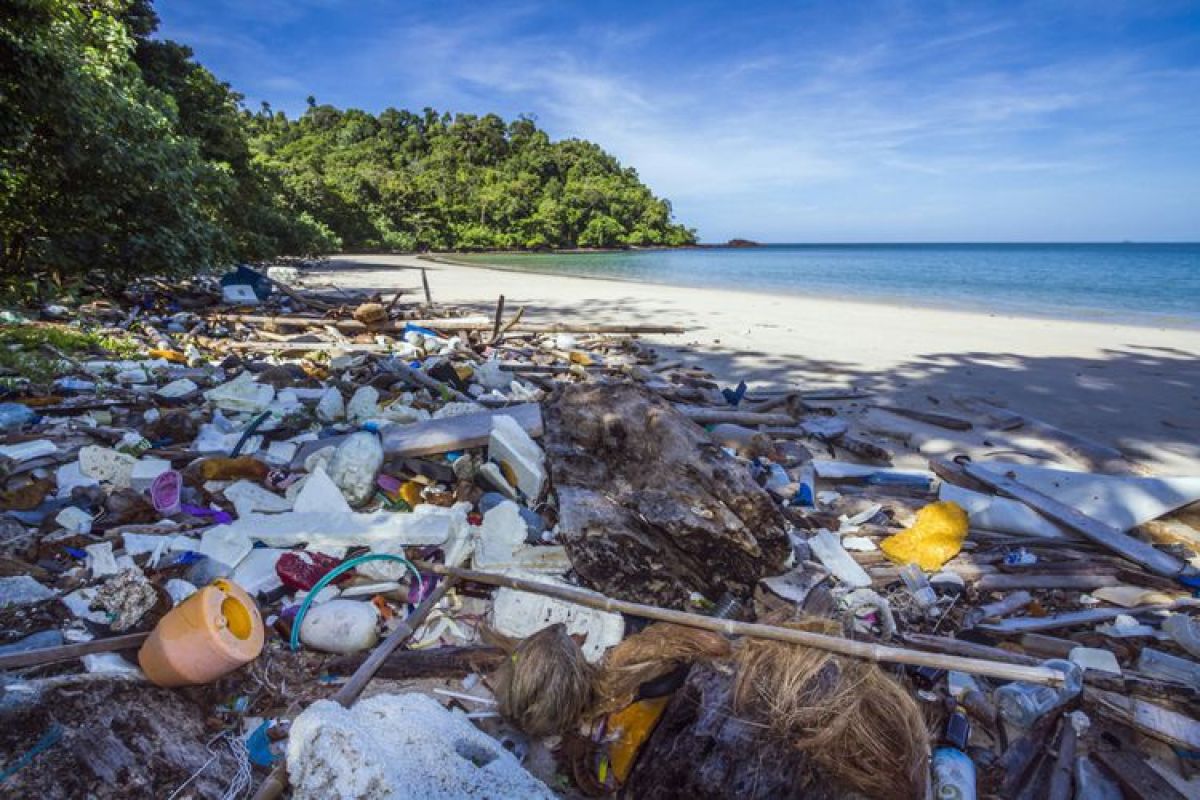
(658, 650)
(854, 721)
(545, 685)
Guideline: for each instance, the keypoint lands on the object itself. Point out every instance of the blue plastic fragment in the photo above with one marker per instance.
(734, 396)
(259, 746)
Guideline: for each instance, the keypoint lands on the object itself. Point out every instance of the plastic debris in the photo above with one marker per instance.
(935, 538)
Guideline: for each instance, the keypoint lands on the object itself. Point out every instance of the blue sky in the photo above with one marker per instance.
(785, 121)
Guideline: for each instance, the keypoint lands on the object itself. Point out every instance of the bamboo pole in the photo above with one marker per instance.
(68, 652)
(274, 784)
(834, 644)
(445, 323)
(714, 416)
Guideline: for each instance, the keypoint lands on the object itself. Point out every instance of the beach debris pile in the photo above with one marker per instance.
(553, 562)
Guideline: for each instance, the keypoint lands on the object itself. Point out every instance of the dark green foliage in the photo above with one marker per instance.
(402, 181)
(121, 156)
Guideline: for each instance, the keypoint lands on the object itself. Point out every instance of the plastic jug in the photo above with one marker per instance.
(213, 632)
(1022, 704)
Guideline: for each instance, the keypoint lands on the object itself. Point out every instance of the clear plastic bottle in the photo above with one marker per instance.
(918, 585)
(1022, 704)
(355, 465)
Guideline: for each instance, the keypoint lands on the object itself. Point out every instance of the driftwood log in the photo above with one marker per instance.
(650, 508)
(701, 750)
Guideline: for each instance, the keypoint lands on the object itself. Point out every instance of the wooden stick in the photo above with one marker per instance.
(940, 420)
(425, 286)
(833, 644)
(1135, 550)
(446, 323)
(421, 378)
(274, 784)
(714, 416)
(68, 652)
(1064, 764)
(499, 319)
(1069, 619)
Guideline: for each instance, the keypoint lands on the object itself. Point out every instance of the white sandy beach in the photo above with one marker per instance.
(1135, 388)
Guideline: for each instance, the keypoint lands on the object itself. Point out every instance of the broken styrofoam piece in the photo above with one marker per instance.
(517, 453)
(138, 544)
(319, 493)
(424, 526)
(844, 469)
(852, 523)
(180, 589)
(392, 747)
(109, 664)
(859, 544)
(226, 544)
(101, 559)
(75, 520)
(457, 410)
(27, 451)
(460, 536)
(107, 465)
(331, 407)
(1119, 501)
(256, 572)
(364, 405)
(522, 614)
(491, 376)
(1095, 659)
(827, 547)
(242, 394)
(145, 471)
(340, 626)
(501, 536)
(355, 465)
(69, 477)
(280, 453)
(1124, 626)
(176, 389)
(248, 497)
(79, 603)
(22, 590)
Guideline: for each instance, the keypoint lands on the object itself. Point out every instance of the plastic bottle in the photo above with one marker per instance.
(953, 770)
(15, 415)
(918, 585)
(213, 632)
(1022, 704)
(354, 466)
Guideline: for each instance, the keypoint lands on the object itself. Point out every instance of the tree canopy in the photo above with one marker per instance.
(121, 155)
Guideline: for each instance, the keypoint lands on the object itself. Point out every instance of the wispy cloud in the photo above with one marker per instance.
(739, 117)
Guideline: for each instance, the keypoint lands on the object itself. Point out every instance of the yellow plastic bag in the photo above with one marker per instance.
(935, 538)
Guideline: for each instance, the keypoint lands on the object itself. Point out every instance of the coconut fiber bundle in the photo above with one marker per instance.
(657, 651)
(854, 721)
(545, 685)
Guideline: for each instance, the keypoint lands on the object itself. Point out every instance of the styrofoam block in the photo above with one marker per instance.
(344, 529)
(391, 747)
(106, 464)
(512, 447)
(320, 494)
(248, 497)
(27, 451)
(522, 614)
(256, 572)
(501, 535)
(226, 544)
(145, 471)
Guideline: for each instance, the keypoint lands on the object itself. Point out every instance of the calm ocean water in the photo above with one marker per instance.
(1140, 283)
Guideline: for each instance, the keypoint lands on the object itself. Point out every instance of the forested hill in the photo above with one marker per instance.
(405, 181)
(121, 155)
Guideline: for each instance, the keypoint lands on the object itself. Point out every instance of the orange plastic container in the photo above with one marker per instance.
(213, 632)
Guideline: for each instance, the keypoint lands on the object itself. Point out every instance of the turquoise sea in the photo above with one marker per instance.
(1157, 284)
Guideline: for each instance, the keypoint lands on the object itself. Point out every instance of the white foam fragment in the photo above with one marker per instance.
(145, 471)
(522, 614)
(101, 559)
(226, 544)
(515, 449)
(70, 476)
(320, 494)
(390, 747)
(22, 590)
(256, 572)
(827, 547)
(242, 394)
(501, 536)
(27, 451)
(108, 465)
(248, 497)
(1095, 660)
(75, 520)
(424, 526)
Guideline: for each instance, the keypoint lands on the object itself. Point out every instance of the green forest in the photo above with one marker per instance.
(121, 155)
